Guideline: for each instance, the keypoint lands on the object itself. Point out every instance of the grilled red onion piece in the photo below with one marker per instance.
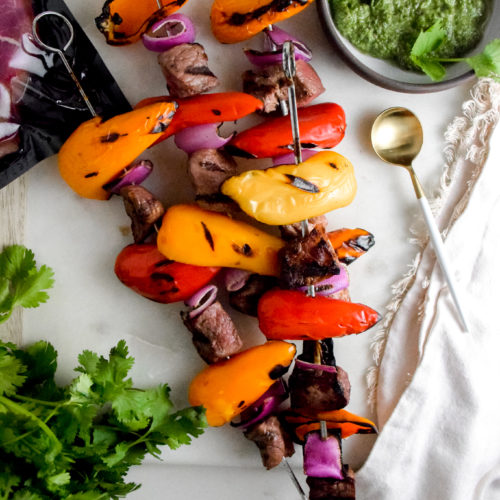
(272, 57)
(305, 365)
(235, 279)
(203, 298)
(289, 158)
(322, 457)
(134, 175)
(204, 136)
(169, 32)
(277, 37)
(8, 130)
(267, 404)
(330, 285)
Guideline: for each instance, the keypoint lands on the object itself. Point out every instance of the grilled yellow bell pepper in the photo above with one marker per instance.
(228, 387)
(291, 193)
(192, 235)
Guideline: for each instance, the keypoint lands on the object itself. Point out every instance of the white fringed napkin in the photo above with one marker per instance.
(437, 396)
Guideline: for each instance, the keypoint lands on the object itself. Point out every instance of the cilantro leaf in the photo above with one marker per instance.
(11, 373)
(21, 283)
(427, 42)
(487, 63)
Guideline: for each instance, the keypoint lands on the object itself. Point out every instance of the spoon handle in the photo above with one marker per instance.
(440, 251)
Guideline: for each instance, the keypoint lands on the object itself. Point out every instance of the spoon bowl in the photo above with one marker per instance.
(397, 136)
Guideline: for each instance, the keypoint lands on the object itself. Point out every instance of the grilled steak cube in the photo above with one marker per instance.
(308, 260)
(214, 334)
(319, 390)
(270, 85)
(185, 68)
(291, 231)
(272, 440)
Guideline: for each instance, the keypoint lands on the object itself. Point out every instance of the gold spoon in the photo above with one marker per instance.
(397, 137)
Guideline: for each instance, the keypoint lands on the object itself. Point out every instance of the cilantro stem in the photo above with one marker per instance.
(16, 408)
(37, 401)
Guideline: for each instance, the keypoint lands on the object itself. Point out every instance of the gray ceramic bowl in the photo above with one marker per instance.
(386, 75)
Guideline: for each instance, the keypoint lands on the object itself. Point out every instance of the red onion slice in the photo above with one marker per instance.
(134, 175)
(202, 299)
(322, 457)
(266, 405)
(272, 57)
(330, 285)
(276, 37)
(204, 136)
(235, 279)
(305, 365)
(5, 102)
(289, 158)
(169, 32)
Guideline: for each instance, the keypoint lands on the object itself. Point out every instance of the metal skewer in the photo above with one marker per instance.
(60, 52)
(289, 69)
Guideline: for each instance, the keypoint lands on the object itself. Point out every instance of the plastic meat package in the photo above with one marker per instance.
(40, 104)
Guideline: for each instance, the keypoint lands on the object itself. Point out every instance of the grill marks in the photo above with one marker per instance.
(238, 19)
(302, 184)
(208, 236)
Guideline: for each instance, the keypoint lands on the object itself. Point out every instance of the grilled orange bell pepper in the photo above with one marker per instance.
(292, 315)
(98, 150)
(349, 244)
(228, 387)
(146, 271)
(291, 193)
(195, 236)
(124, 21)
(348, 423)
(321, 125)
(237, 20)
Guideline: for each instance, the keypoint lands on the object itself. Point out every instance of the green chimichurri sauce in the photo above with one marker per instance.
(387, 29)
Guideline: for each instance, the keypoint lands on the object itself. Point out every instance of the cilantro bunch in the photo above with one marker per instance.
(77, 442)
(485, 64)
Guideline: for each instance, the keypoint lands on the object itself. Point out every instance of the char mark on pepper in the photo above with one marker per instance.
(92, 174)
(277, 372)
(245, 250)
(111, 137)
(239, 19)
(162, 276)
(333, 165)
(164, 262)
(302, 184)
(208, 236)
(216, 112)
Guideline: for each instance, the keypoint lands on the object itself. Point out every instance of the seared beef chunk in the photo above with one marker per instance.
(319, 390)
(208, 169)
(185, 68)
(270, 85)
(143, 208)
(308, 260)
(291, 231)
(214, 334)
(246, 299)
(272, 440)
(333, 489)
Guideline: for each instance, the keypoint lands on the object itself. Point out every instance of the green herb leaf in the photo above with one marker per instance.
(21, 283)
(487, 64)
(427, 42)
(12, 372)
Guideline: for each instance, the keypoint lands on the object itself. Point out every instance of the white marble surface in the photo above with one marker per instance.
(80, 239)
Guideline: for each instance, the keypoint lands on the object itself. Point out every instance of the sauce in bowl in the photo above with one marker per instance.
(387, 29)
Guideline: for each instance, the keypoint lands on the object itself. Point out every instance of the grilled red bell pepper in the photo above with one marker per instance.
(292, 315)
(322, 125)
(146, 271)
(206, 108)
